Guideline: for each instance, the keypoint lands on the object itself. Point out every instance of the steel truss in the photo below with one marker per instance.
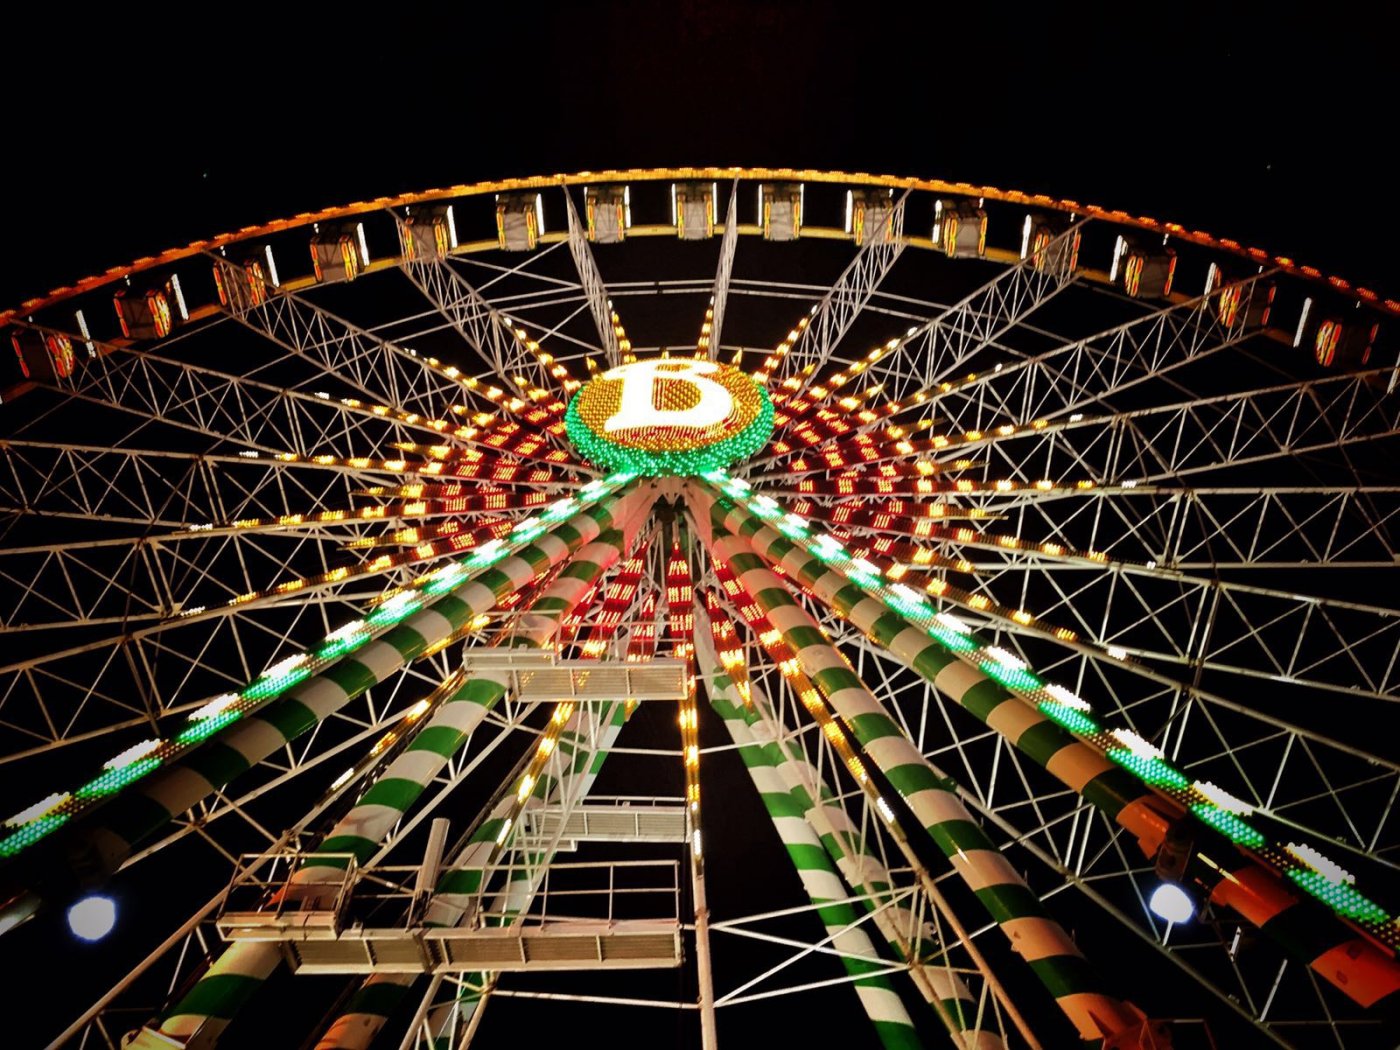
(478, 322)
(1090, 371)
(724, 272)
(1189, 437)
(951, 341)
(1078, 848)
(599, 303)
(403, 380)
(833, 315)
(223, 407)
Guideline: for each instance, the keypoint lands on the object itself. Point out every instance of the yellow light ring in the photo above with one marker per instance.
(937, 186)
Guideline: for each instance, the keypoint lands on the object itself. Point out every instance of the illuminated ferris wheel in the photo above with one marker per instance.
(865, 608)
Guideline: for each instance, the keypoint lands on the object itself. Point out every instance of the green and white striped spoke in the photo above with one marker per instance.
(909, 939)
(150, 804)
(583, 746)
(1058, 963)
(816, 870)
(595, 542)
(577, 754)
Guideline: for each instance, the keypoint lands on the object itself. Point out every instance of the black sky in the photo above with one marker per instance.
(1248, 120)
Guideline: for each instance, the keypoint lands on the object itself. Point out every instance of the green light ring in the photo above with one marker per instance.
(677, 462)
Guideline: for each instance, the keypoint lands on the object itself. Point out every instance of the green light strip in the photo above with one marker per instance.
(1152, 769)
(669, 462)
(33, 824)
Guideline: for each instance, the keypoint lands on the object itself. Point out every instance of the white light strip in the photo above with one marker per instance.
(1118, 247)
(1137, 745)
(1324, 866)
(87, 336)
(364, 245)
(179, 297)
(1223, 799)
(1302, 322)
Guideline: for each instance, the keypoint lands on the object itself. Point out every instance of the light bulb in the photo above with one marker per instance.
(1169, 901)
(93, 917)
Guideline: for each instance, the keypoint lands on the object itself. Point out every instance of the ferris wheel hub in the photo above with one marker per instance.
(669, 416)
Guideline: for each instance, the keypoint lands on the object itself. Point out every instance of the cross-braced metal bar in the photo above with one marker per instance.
(833, 315)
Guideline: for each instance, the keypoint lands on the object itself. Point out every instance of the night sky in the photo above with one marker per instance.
(1263, 125)
(1247, 120)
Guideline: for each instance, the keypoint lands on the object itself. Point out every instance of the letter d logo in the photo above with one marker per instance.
(673, 416)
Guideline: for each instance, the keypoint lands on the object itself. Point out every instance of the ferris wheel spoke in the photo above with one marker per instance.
(1152, 612)
(483, 328)
(364, 828)
(1310, 780)
(833, 315)
(594, 290)
(196, 572)
(231, 408)
(139, 579)
(183, 495)
(373, 724)
(381, 370)
(1295, 421)
(1199, 527)
(959, 335)
(1091, 371)
(140, 677)
(724, 273)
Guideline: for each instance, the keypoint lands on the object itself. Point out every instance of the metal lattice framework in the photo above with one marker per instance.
(1050, 587)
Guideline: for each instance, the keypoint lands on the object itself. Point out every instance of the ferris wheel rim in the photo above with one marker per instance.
(767, 482)
(1119, 217)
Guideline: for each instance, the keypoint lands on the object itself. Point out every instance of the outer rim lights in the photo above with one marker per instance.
(93, 917)
(1172, 903)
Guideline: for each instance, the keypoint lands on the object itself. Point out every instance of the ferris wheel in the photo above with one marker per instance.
(863, 608)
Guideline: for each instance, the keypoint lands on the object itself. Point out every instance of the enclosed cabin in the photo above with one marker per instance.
(339, 253)
(693, 209)
(870, 215)
(428, 232)
(43, 356)
(608, 211)
(244, 286)
(1237, 303)
(152, 314)
(519, 221)
(1336, 339)
(780, 210)
(960, 228)
(1142, 270)
(1051, 243)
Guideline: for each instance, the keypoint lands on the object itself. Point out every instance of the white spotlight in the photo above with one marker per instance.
(1169, 901)
(93, 917)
